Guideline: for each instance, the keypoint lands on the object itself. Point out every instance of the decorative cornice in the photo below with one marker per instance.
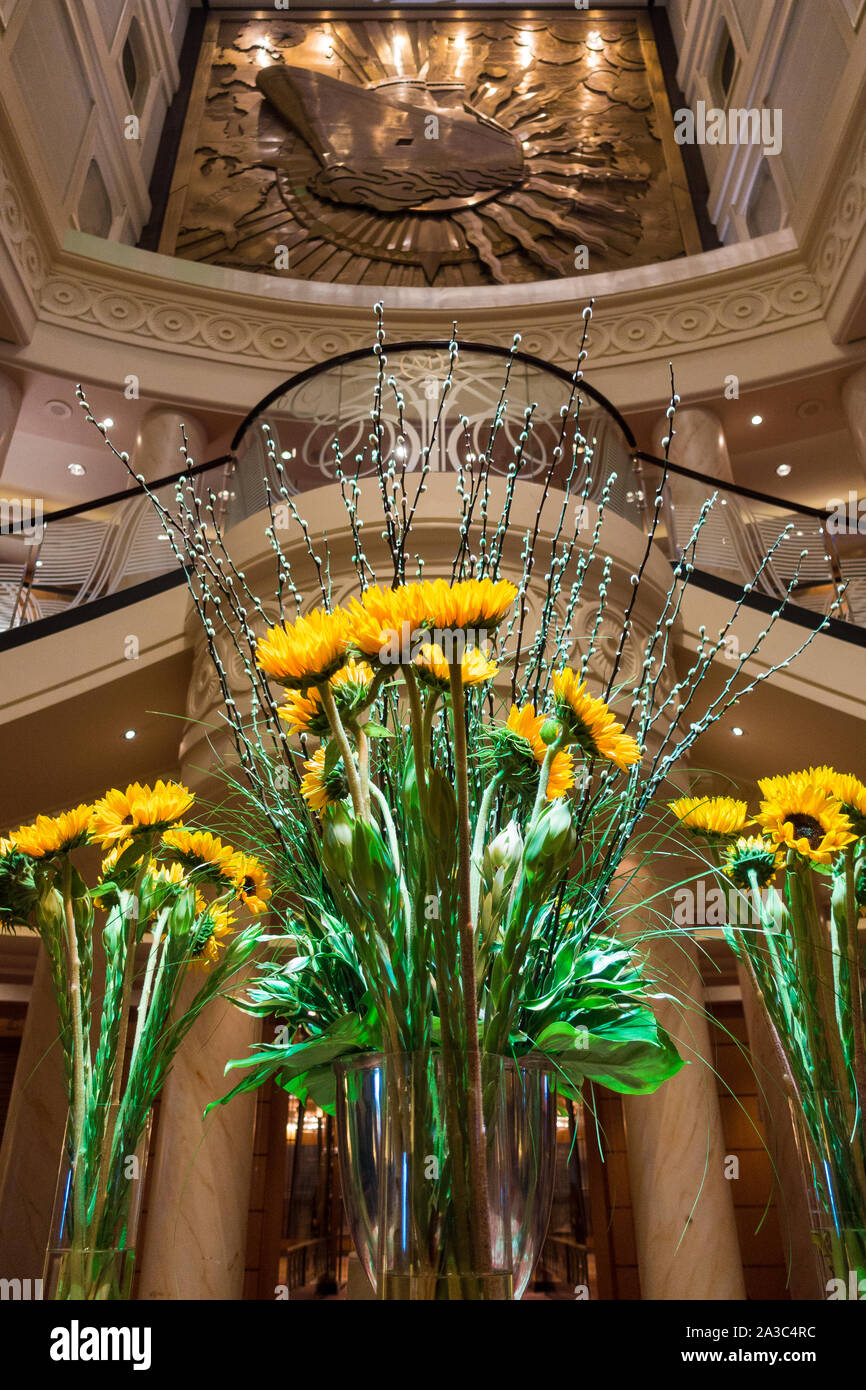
(25, 262)
(755, 298)
(843, 222)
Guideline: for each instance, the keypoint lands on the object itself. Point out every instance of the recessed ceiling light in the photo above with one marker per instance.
(59, 409)
(737, 731)
(39, 564)
(783, 470)
(76, 469)
(130, 733)
(757, 419)
(107, 423)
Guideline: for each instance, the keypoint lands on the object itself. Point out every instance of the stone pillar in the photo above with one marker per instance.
(157, 447)
(195, 1236)
(685, 1227)
(33, 1137)
(10, 405)
(699, 442)
(854, 406)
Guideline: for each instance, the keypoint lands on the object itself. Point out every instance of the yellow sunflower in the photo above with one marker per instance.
(6, 847)
(470, 603)
(711, 815)
(320, 789)
(385, 621)
(848, 790)
(118, 816)
(50, 835)
(519, 751)
(199, 849)
(588, 722)
(307, 651)
(752, 855)
(799, 813)
(351, 686)
(433, 667)
(250, 880)
(216, 922)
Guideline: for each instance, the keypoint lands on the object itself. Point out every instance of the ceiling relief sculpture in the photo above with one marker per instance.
(446, 152)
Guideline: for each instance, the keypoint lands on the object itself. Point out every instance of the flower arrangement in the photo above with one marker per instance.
(804, 871)
(165, 888)
(443, 802)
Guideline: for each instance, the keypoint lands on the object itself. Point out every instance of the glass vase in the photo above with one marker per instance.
(836, 1192)
(402, 1126)
(96, 1262)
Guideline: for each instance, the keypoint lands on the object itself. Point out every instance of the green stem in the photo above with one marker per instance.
(391, 832)
(418, 747)
(79, 1090)
(480, 1211)
(330, 707)
(478, 844)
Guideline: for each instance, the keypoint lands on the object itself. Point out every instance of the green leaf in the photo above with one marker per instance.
(374, 730)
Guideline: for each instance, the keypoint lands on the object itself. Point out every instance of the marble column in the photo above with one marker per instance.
(699, 442)
(854, 406)
(10, 405)
(195, 1235)
(33, 1137)
(683, 1207)
(157, 447)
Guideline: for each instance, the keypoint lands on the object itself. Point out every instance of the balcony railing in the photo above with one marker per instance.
(107, 553)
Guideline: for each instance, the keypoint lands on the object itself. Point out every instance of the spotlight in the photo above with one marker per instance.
(783, 470)
(757, 419)
(76, 469)
(129, 734)
(737, 731)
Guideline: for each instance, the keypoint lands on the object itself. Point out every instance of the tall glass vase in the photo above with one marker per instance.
(95, 1260)
(402, 1126)
(833, 1169)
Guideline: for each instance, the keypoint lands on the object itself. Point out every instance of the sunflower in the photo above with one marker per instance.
(385, 621)
(118, 816)
(322, 789)
(307, 651)
(50, 835)
(216, 922)
(6, 847)
(518, 750)
(848, 790)
(801, 814)
(250, 880)
(351, 686)
(711, 815)
(752, 855)
(199, 849)
(434, 669)
(479, 604)
(588, 722)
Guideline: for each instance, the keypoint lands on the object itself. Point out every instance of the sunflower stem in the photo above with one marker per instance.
(329, 705)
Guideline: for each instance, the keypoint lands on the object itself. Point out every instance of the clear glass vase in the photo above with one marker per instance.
(95, 1260)
(402, 1123)
(833, 1169)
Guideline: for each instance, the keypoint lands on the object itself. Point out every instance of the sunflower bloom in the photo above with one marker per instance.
(199, 849)
(250, 880)
(384, 621)
(304, 713)
(588, 722)
(519, 750)
(307, 651)
(118, 815)
(752, 855)
(434, 669)
(799, 813)
(216, 923)
(50, 835)
(321, 789)
(711, 815)
(480, 604)
(848, 790)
